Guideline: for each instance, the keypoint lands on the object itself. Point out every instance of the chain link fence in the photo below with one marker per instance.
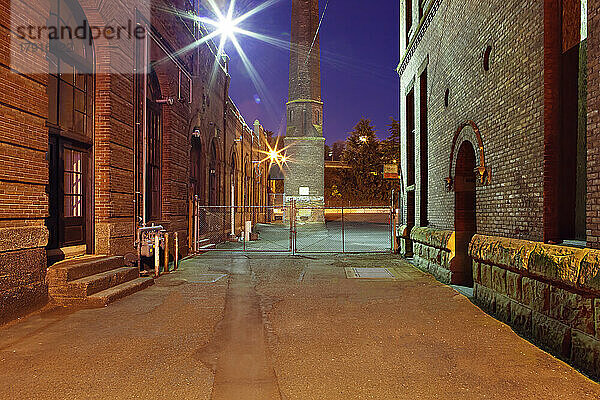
(291, 229)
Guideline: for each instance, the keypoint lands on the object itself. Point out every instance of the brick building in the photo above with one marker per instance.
(499, 117)
(96, 142)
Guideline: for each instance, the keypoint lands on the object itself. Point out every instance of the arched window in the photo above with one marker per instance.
(196, 168)
(234, 189)
(213, 194)
(246, 183)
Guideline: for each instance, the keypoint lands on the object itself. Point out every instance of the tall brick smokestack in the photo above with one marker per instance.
(305, 68)
(304, 180)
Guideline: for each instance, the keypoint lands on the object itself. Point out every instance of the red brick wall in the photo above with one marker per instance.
(23, 175)
(593, 124)
(24, 144)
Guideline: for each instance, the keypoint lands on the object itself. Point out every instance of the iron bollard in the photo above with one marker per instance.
(156, 256)
(175, 262)
(166, 255)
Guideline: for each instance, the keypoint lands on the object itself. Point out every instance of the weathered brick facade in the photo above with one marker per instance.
(505, 103)
(114, 207)
(505, 136)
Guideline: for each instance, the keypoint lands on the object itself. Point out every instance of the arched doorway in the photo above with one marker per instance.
(465, 224)
(196, 170)
(70, 134)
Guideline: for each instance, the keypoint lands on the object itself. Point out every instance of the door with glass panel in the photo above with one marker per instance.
(70, 125)
(72, 221)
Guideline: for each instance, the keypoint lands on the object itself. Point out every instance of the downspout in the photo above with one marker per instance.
(145, 130)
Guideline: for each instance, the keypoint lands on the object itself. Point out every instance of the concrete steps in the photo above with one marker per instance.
(93, 281)
(114, 293)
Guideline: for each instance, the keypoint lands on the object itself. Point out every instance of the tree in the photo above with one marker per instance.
(338, 149)
(390, 147)
(326, 153)
(363, 156)
(362, 150)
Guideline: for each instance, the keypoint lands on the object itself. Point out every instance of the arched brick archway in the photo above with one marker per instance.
(465, 224)
(469, 132)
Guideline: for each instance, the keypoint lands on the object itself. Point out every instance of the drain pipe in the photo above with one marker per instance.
(145, 130)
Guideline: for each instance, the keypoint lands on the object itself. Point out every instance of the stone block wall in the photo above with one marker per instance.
(548, 293)
(433, 250)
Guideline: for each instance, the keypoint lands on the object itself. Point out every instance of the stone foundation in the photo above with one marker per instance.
(548, 293)
(405, 244)
(22, 282)
(433, 251)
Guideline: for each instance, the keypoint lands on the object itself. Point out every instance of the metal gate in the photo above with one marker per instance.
(291, 228)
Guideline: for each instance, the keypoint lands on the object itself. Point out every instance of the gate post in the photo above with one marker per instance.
(343, 237)
(293, 233)
(197, 223)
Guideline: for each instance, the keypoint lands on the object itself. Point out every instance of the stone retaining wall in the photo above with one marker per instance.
(433, 251)
(548, 293)
(405, 245)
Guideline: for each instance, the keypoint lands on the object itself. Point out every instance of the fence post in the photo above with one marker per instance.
(343, 238)
(191, 223)
(197, 225)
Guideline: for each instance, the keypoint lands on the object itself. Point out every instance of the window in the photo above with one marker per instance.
(410, 156)
(73, 183)
(572, 169)
(213, 177)
(70, 82)
(486, 58)
(409, 19)
(423, 144)
(154, 149)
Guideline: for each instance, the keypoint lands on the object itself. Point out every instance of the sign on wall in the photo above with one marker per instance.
(390, 171)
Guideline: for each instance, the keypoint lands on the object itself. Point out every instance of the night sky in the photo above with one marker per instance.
(359, 53)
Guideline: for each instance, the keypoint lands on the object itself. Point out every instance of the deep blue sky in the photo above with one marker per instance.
(359, 52)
